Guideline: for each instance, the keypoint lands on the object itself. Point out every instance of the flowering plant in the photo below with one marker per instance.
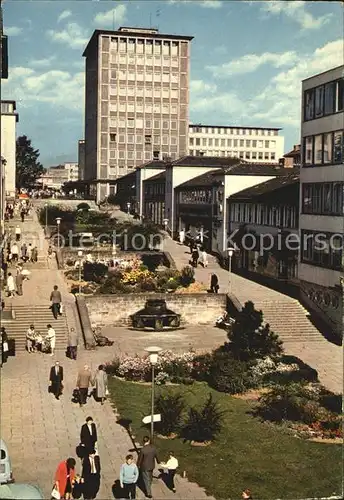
(135, 275)
(162, 378)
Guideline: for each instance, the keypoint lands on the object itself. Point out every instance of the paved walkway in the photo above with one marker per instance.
(41, 431)
(324, 356)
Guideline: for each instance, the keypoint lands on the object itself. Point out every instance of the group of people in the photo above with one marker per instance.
(20, 207)
(35, 342)
(98, 383)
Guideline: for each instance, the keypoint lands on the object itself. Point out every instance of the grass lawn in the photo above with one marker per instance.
(247, 453)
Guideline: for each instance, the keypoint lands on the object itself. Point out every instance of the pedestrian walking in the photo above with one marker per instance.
(29, 252)
(23, 252)
(34, 255)
(101, 384)
(51, 338)
(56, 380)
(194, 257)
(91, 475)
(64, 479)
(204, 257)
(191, 245)
(11, 289)
(4, 345)
(128, 476)
(88, 436)
(18, 233)
(182, 236)
(214, 283)
(146, 464)
(56, 299)
(14, 252)
(31, 339)
(83, 382)
(22, 214)
(72, 347)
(170, 469)
(19, 283)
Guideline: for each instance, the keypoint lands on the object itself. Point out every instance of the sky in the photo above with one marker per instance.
(247, 60)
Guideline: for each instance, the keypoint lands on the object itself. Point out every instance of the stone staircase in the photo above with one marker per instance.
(290, 320)
(40, 316)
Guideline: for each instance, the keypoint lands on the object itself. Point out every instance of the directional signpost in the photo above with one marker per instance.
(148, 419)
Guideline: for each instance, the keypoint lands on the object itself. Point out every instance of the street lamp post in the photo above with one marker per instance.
(46, 219)
(230, 255)
(201, 234)
(58, 222)
(128, 207)
(80, 262)
(153, 358)
(165, 222)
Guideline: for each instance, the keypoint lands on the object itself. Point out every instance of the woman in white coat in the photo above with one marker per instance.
(101, 383)
(11, 287)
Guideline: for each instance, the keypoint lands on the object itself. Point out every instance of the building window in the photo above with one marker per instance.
(198, 141)
(322, 198)
(318, 147)
(308, 152)
(210, 142)
(309, 104)
(330, 98)
(327, 148)
(322, 249)
(341, 95)
(131, 122)
(156, 155)
(260, 155)
(130, 139)
(157, 124)
(112, 137)
(254, 155)
(319, 101)
(273, 156)
(121, 139)
(191, 141)
(148, 124)
(148, 139)
(254, 144)
(266, 156)
(266, 144)
(248, 144)
(242, 143)
(338, 147)
(247, 155)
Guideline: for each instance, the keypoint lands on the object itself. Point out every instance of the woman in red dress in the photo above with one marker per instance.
(64, 477)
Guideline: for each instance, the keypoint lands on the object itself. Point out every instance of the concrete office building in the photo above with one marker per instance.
(9, 120)
(256, 145)
(136, 102)
(321, 201)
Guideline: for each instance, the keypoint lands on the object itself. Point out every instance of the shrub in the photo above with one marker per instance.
(171, 407)
(187, 276)
(94, 271)
(295, 402)
(205, 423)
(111, 368)
(201, 367)
(227, 374)
(161, 378)
(249, 339)
(113, 284)
(83, 206)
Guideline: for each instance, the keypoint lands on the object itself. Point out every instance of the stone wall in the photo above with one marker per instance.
(195, 309)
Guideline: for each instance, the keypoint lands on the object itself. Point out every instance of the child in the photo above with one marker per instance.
(128, 477)
(171, 465)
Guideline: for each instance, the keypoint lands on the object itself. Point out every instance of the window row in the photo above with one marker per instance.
(153, 189)
(140, 123)
(146, 76)
(136, 155)
(323, 198)
(140, 139)
(323, 149)
(144, 92)
(196, 196)
(144, 46)
(247, 155)
(324, 100)
(231, 131)
(205, 141)
(148, 61)
(264, 215)
(322, 249)
(139, 108)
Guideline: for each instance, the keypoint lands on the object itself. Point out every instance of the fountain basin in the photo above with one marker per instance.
(155, 316)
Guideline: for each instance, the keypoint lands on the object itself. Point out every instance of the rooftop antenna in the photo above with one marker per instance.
(113, 20)
(150, 19)
(158, 12)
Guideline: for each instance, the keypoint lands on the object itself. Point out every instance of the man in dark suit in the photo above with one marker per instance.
(56, 379)
(88, 435)
(91, 475)
(146, 464)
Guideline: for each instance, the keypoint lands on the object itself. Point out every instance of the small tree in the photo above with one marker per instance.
(28, 168)
(205, 423)
(83, 206)
(171, 407)
(250, 339)
(187, 276)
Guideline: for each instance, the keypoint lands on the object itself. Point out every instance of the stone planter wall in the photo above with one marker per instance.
(115, 310)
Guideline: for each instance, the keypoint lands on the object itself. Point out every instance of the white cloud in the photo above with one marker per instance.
(42, 63)
(73, 36)
(13, 30)
(206, 4)
(251, 62)
(57, 88)
(64, 15)
(281, 100)
(199, 86)
(108, 18)
(296, 10)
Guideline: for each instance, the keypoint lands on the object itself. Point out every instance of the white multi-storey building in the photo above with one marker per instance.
(137, 101)
(253, 144)
(321, 203)
(9, 120)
